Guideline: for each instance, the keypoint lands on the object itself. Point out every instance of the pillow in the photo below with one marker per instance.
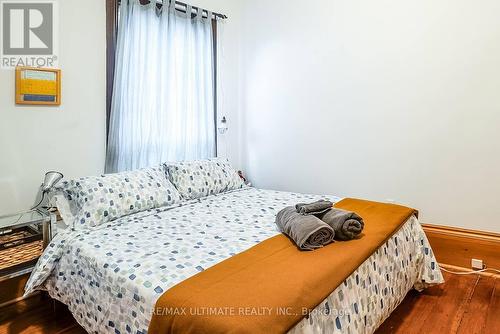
(201, 178)
(96, 200)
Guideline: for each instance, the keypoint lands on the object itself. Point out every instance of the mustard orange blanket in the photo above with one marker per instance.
(272, 286)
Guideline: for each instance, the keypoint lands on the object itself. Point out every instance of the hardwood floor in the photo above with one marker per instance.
(38, 315)
(465, 304)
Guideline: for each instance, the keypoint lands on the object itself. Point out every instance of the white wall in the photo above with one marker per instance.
(376, 99)
(69, 138)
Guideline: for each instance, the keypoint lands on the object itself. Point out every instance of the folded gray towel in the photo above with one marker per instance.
(347, 225)
(315, 208)
(308, 232)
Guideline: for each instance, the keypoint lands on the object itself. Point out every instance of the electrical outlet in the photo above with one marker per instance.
(477, 264)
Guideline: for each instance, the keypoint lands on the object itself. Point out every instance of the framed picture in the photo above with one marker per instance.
(38, 86)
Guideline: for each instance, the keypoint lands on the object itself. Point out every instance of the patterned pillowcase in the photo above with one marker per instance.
(96, 200)
(201, 178)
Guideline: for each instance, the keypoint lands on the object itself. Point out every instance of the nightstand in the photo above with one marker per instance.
(23, 237)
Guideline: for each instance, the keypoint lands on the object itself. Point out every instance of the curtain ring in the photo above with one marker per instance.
(159, 10)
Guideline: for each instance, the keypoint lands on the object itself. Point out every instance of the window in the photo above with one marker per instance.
(161, 84)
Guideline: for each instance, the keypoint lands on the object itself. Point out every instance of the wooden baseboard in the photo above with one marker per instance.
(457, 247)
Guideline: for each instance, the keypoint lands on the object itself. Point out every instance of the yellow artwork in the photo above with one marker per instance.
(38, 86)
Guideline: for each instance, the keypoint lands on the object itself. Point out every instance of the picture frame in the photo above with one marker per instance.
(38, 86)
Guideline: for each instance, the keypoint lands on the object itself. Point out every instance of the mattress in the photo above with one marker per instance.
(111, 276)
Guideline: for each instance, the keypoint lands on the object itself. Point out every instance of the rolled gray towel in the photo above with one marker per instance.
(347, 225)
(314, 208)
(308, 232)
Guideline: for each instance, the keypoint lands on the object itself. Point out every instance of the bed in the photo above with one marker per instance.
(110, 276)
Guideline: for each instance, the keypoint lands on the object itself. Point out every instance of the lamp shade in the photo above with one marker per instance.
(50, 180)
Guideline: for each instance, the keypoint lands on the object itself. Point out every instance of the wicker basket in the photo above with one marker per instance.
(18, 249)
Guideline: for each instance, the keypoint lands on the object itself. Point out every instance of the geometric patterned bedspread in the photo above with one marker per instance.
(111, 276)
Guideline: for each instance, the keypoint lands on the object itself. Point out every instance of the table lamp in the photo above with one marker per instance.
(49, 181)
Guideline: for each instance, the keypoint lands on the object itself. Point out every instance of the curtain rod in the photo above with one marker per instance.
(181, 6)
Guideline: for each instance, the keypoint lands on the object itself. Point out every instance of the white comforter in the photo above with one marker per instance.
(111, 276)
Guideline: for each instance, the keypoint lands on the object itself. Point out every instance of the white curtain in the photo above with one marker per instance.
(163, 98)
